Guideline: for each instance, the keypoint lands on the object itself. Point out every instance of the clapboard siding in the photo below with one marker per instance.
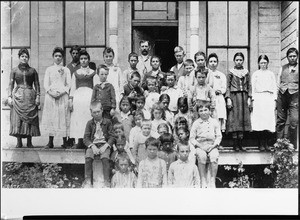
(269, 29)
(289, 27)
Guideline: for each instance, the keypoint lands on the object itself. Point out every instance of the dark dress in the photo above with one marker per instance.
(238, 90)
(24, 120)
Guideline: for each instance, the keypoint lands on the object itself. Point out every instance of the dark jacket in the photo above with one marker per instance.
(106, 96)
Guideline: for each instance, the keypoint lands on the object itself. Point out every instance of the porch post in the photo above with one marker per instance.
(194, 25)
(113, 28)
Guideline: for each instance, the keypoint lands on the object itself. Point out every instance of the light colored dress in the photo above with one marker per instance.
(152, 173)
(153, 97)
(183, 174)
(123, 180)
(83, 81)
(56, 115)
(264, 94)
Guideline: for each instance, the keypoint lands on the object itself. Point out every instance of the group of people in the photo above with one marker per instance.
(152, 128)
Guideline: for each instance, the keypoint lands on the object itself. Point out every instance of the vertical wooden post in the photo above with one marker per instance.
(98, 178)
(194, 25)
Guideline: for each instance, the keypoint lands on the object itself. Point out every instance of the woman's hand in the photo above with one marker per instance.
(70, 104)
(9, 101)
(112, 112)
(229, 103)
(249, 103)
(37, 101)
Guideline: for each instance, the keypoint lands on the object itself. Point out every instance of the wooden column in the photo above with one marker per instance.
(113, 27)
(194, 25)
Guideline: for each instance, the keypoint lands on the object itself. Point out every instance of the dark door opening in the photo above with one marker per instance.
(163, 40)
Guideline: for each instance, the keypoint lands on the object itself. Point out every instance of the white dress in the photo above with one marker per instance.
(264, 94)
(56, 116)
(83, 81)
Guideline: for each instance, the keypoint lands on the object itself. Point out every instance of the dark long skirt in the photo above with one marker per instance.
(238, 117)
(24, 120)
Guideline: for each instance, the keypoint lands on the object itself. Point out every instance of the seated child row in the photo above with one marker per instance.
(151, 154)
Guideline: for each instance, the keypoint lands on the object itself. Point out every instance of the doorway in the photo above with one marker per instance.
(163, 40)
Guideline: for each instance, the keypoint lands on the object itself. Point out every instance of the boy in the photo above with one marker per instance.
(152, 170)
(132, 89)
(133, 61)
(206, 136)
(156, 73)
(178, 69)
(167, 151)
(152, 95)
(173, 91)
(105, 93)
(183, 172)
(140, 106)
(187, 81)
(98, 137)
(115, 76)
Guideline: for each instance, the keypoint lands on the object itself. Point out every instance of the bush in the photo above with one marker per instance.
(240, 179)
(18, 175)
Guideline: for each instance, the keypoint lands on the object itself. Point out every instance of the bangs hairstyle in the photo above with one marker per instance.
(23, 50)
(166, 138)
(201, 71)
(133, 54)
(153, 142)
(75, 47)
(163, 125)
(200, 53)
(178, 49)
(118, 125)
(158, 106)
(58, 50)
(263, 56)
(188, 62)
(108, 50)
(292, 50)
(124, 99)
(239, 54)
(122, 156)
(203, 104)
(213, 55)
(83, 52)
(163, 96)
(102, 66)
(95, 104)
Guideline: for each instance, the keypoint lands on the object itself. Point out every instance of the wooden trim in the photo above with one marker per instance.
(87, 46)
(16, 47)
(202, 26)
(253, 35)
(154, 23)
(182, 39)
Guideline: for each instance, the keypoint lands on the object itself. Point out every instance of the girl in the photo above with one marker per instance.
(264, 94)
(158, 117)
(167, 150)
(238, 97)
(83, 81)
(183, 135)
(218, 83)
(162, 128)
(183, 111)
(164, 99)
(200, 60)
(57, 83)
(152, 170)
(24, 100)
(180, 122)
(124, 116)
(138, 117)
(123, 178)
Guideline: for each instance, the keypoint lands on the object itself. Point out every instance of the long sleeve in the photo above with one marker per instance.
(171, 175)
(278, 78)
(87, 140)
(113, 97)
(111, 136)
(96, 79)
(223, 83)
(12, 79)
(47, 80)
(73, 85)
(67, 80)
(249, 85)
(229, 78)
(212, 96)
(253, 83)
(37, 83)
(193, 133)
(274, 85)
(94, 94)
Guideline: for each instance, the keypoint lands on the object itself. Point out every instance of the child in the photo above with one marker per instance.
(183, 173)
(173, 91)
(115, 75)
(140, 106)
(133, 61)
(132, 89)
(167, 151)
(206, 136)
(123, 178)
(183, 111)
(183, 135)
(202, 91)
(158, 117)
(121, 146)
(83, 82)
(152, 170)
(99, 138)
(156, 73)
(152, 96)
(139, 149)
(138, 117)
(164, 99)
(200, 59)
(163, 128)
(238, 97)
(105, 93)
(218, 83)
(124, 116)
(178, 69)
(187, 81)
(180, 122)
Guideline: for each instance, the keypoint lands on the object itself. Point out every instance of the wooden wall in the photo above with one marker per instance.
(289, 27)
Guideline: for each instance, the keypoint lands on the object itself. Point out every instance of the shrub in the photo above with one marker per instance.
(240, 179)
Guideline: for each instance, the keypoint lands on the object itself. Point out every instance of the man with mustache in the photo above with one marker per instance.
(144, 59)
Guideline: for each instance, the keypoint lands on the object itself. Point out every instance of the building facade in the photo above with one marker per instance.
(224, 27)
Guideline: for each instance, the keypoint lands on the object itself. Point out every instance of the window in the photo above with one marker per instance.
(228, 31)
(85, 25)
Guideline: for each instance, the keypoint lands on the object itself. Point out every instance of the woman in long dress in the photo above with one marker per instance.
(57, 83)
(264, 94)
(24, 100)
(83, 82)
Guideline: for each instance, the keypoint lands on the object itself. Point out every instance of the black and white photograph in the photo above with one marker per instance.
(149, 108)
